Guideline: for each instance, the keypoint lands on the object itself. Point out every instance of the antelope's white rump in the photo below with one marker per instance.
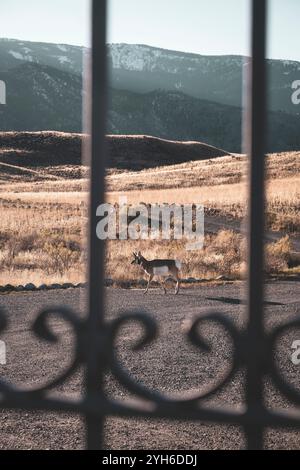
(161, 270)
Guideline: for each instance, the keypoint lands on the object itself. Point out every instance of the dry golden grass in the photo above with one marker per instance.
(222, 255)
(43, 243)
(283, 198)
(218, 183)
(40, 243)
(41, 237)
(215, 172)
(285, 190)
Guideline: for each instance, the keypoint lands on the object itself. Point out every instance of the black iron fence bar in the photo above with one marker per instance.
(256, 123)
(136, 409)
(94, 366)
(94, 337)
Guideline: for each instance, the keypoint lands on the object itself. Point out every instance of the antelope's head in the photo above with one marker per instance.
(137, 258)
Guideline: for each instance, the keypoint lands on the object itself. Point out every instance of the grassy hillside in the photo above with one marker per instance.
(45, 149)
(43, 205)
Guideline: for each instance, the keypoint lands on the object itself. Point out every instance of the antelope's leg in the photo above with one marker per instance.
(149, 280)
(162, 283)
(177, 284)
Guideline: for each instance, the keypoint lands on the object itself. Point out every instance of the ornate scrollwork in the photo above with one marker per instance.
(288, 390)
(111, 362)
(42, 330)
(194, 336)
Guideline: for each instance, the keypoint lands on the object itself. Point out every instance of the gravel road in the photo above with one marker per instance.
(169, 364)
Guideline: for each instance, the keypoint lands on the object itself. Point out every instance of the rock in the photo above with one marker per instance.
(125, 284)
(108, 282)
(19, 288)
(190, 280)
(55, 286)
(8, 288)
(43, 287)
(29, 287)
(67, 285)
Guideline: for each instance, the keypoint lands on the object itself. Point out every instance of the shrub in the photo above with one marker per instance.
(278, 254)
(60, 257)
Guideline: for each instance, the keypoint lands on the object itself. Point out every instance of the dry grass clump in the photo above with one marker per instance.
(284, 212)
(278, 255)
(40, 243)
(62, 255)
(225, 253)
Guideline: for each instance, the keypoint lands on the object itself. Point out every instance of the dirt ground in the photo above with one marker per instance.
(169, 364)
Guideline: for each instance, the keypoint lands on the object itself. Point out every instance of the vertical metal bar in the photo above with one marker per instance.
(256, 138)
(94, 372)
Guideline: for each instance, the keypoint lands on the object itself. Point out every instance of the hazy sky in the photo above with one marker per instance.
(202, 26)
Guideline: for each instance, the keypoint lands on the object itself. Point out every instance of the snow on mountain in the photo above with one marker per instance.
(62, 47)
(143, 58)
(61, 56)
(64, 59)
(167, 93)
(136, 57)
(19, 56)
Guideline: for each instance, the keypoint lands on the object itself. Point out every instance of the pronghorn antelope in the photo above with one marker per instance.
(159, 267)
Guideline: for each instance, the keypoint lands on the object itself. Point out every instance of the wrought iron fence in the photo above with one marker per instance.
(95, 336)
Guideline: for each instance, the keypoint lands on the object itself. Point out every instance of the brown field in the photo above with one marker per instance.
(43, 214)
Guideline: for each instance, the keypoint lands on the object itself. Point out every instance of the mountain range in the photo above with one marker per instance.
(168, 94)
